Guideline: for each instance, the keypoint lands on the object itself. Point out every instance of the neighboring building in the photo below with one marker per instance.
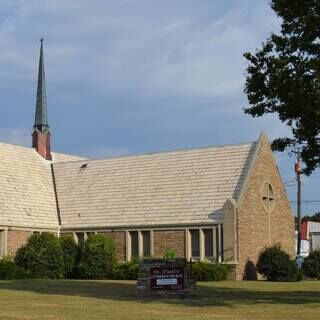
(310, 237)
(220, 203)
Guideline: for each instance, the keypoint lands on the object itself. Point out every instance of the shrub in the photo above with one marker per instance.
(98, 258)
(127, 270)
(274, 264)
(170, 254)
(204, 271)
(71, 256)
(311, 265)
(41, 257)
(7, 269)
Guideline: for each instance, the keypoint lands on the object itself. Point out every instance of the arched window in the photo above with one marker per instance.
(268, 197)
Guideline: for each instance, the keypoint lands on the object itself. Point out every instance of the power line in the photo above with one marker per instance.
(307, 201)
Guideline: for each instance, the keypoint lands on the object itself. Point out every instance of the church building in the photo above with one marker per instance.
(220, 203)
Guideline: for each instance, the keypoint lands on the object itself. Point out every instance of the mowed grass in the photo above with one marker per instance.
(77, 300)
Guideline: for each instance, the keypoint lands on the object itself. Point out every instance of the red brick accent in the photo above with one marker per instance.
(16, 239)
(119, 238)
(169, 239)
(41, 142)
(253, 219)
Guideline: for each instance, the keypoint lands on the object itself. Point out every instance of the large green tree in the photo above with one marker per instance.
(283, 77)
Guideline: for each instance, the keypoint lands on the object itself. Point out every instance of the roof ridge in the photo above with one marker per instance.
(15, 145)
(184, 150)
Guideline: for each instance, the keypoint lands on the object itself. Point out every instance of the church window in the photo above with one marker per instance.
(80, 237)
(139, 244)
(146, 243)
(268, 197)
(89, 234)
(195, 243)
(134, 243)
(208, 243)
(2, 244)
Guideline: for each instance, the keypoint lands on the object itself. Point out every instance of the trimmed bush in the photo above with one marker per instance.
(127, 270)
(274, 264)
(170, 254)
(71, 256)
(41, 257)
(98, 258)
(311, 265)
(204, 271)
(7, 269)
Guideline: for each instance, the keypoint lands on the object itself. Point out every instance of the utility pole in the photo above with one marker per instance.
(297, 169)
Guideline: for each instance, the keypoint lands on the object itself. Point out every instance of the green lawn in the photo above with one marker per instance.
(77, 300)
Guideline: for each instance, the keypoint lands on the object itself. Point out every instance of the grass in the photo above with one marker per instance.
(77, 300)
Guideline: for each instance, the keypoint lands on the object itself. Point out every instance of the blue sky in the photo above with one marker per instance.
(137, 76)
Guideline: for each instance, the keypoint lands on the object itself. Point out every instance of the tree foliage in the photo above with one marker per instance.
(98, 258)
(42, 257)
(314, 217)
(311, 265)
(283, 77)
(274, 264)
(71, 256)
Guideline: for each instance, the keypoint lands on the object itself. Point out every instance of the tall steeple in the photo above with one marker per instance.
(41, 132)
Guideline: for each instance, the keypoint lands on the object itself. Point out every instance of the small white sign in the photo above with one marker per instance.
(163, 282)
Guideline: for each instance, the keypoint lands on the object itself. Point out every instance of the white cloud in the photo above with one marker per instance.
(175, 68)
(188, 52)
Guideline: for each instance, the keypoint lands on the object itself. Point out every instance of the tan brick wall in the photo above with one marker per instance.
(253, 220)
(119, 238)
(169, 239)
(16, 239)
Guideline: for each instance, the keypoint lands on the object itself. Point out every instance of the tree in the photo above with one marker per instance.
(314, 217)
(98, 258)
(283, 77)
(42, 257)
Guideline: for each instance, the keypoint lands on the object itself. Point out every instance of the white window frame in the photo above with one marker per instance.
(85, 235)
(3, 242)
(140, 243)
(216, 247)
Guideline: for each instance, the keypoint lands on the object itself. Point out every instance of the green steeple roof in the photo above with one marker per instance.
(41, 117)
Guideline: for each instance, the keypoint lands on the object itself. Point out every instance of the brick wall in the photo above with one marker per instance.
(16, 239)
(253, 220)
(169, 239)
(119, 238)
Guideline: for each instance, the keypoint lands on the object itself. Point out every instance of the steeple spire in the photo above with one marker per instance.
(41, 132)
(41, 116)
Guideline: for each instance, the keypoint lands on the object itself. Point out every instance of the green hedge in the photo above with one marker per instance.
(204, 271)
(311, 265)
(274, 264)
(170, 254)
(41, 257)
(127, 270)
(9, 270)
(98, 258)
(71, 256)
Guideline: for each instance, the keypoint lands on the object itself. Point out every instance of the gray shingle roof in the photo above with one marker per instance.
(27, 197)
(26, 189)
(178, 187)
